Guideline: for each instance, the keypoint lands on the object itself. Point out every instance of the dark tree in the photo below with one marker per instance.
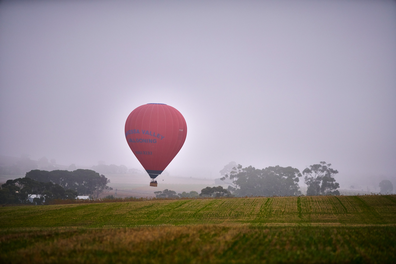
(215, 192)
(84, 182)
(18, 191)
(10, 194)
(320, 179)
(271, 181)
(386, 187)
(166, 194)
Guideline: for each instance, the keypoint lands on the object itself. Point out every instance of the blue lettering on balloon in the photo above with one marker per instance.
(153, 134)
(132, 131)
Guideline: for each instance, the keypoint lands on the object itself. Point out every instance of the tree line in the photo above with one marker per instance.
(244, 181)
(280, 181)
(51, 185)
(270, 181)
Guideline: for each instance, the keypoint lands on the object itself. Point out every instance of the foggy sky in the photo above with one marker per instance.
(261, 83)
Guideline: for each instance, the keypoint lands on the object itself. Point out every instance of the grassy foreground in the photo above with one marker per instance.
(342, 229)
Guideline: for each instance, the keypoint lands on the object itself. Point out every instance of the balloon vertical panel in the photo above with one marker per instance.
(155, 133)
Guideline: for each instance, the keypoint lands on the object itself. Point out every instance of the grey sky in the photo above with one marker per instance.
(259, 82)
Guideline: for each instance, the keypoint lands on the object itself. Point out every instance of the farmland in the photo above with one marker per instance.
(333, 229)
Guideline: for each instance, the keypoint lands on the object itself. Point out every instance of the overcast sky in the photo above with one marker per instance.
(261, 83)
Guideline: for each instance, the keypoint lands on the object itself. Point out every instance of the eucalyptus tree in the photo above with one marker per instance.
(320, 179)
(270, 181)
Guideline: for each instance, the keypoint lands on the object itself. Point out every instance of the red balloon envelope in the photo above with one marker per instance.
(155, 133)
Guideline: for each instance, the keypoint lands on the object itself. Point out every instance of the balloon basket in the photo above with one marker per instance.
(153, 184)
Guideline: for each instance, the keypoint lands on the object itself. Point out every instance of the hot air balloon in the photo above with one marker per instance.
(155, 133)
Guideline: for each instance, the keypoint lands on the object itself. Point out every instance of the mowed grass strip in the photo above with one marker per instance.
(201, 244)
(340, 210)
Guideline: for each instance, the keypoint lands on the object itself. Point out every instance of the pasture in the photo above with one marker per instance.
(323, 229)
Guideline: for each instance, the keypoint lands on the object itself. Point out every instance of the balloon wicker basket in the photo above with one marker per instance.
(153, 184)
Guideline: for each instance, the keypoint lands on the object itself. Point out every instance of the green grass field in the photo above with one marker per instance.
(326, 229)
